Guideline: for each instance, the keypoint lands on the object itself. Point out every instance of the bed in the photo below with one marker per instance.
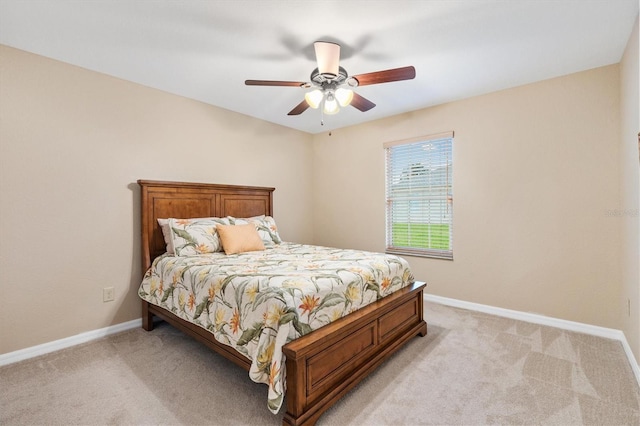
(321, 365)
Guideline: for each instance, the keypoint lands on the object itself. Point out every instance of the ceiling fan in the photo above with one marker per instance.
(332, 85)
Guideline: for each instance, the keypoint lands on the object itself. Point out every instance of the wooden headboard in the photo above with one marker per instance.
(182, 200)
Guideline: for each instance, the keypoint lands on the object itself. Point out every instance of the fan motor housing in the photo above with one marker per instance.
(329, 81)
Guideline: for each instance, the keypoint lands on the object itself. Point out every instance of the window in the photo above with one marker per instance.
(420, 197)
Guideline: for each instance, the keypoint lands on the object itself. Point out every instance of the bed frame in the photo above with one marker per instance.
(321, 366)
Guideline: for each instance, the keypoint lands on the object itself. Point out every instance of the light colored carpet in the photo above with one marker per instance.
(472, 368)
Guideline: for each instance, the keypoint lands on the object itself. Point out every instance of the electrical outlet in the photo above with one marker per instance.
(108, 294)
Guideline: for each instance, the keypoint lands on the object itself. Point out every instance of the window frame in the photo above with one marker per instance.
(392, 172)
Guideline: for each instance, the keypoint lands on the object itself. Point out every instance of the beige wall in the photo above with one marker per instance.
(536, 169)
(630, 192)
(72, 145)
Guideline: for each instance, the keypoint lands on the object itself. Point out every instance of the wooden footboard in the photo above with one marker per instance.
(324, 365)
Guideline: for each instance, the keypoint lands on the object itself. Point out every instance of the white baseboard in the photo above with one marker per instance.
(609, 333)
(56, 345)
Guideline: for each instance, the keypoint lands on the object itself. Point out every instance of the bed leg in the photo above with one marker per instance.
(423, 330)
(147, 317)
(420, 299)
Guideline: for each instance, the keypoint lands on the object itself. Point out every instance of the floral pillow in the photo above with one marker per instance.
(265, 225)
(196, 236)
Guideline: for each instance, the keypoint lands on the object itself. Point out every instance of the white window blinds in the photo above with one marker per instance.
(419, 191)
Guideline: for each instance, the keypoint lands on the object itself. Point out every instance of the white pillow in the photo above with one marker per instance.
(166, 233)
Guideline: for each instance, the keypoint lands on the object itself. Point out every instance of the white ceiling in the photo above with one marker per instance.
(205, 50)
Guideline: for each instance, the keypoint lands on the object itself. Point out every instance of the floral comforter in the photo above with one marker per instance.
(257, 302)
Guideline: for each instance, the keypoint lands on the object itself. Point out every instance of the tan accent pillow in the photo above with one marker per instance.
(239, 238)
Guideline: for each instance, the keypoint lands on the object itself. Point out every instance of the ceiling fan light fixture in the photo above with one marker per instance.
(314, 98)
(330, 85)
(328, 57)
(344, 96)
(331, 104)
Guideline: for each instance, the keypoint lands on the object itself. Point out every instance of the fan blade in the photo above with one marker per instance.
(300, 108)
(327, 56)
(361, 103)
(396, 74)
(274, 83)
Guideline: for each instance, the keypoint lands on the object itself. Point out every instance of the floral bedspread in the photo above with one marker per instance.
(257, 302)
